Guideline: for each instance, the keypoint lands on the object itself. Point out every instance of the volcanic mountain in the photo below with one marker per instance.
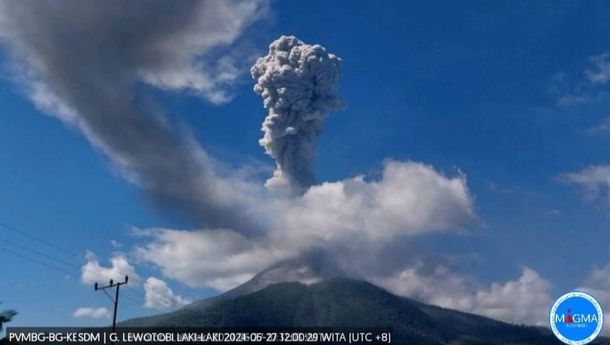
(296, 293)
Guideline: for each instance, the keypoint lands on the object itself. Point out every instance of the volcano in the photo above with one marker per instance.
(296, 293)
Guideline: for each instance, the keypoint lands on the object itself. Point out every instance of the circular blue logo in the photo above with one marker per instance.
(576, 318)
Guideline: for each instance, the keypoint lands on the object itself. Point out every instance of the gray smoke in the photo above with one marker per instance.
(85, 61)
(298, 83)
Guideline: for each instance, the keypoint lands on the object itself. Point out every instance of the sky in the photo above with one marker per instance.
(467, 167)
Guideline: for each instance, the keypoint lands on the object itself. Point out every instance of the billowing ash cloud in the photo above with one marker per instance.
(298, 83)
(354, 221)
(84, 62)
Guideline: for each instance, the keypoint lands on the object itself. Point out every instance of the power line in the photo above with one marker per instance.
(77, 268)
(38, 239)
(81, 269)
(36, 261)
(36, 252)
(47, 243)
(61, 270)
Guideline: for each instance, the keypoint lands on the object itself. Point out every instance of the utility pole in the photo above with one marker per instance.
(115, 301)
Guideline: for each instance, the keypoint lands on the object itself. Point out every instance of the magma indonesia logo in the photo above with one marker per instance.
(576, 318)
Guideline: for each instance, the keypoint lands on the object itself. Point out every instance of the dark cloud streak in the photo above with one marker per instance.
(83, 59)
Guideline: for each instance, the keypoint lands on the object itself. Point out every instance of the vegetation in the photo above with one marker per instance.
(344, 302)
(6, 316)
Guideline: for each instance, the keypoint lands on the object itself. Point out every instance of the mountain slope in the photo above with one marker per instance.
(342, 302)
(306, 270)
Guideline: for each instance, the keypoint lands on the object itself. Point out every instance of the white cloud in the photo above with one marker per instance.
(598, 285)
(92, 272)
(436, 284)
(93, 313)
(585, 88)
(602, 127)
(600, 278)
(409, 198)
(220, 259)
(349, 217)
(522, 301)
(159, 296)
(595, 181)
(599, 73)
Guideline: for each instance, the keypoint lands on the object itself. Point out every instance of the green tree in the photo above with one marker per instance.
(6, 316)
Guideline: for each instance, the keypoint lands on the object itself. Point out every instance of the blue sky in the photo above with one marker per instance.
(479, 87)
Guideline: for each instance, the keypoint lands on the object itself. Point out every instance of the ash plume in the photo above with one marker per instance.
(298, 83)
(85, 62)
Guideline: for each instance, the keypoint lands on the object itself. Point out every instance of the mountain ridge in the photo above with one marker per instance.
(296, 294)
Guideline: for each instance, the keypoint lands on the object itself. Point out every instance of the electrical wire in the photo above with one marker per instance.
(38, 239)
(55, 246)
